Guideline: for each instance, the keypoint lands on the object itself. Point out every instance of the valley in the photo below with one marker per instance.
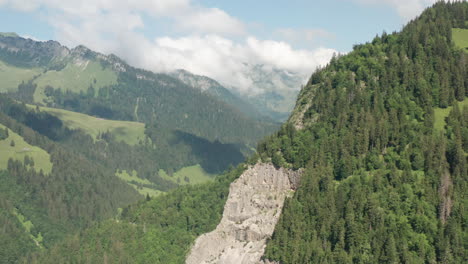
(105, 162)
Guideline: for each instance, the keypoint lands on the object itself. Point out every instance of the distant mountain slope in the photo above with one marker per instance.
(85, 81)
(215, 89)
(274, 91)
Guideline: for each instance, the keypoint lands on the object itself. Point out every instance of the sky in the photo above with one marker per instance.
(213, 38)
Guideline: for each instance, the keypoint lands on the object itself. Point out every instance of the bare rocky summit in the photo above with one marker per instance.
(251, 212)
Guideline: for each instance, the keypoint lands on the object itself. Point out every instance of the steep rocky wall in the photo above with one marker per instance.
(251, 212)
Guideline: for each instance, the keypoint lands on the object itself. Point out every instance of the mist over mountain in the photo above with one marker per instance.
(272, 92)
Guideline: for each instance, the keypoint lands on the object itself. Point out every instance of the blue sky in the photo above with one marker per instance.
(208, 37)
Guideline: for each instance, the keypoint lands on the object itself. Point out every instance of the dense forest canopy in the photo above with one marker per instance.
(381, 184)
(381, 135)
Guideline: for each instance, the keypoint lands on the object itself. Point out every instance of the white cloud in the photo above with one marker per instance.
(310, 36)
(225, 60)
(114, 26)
(185, 15)
(407, 9)
(211, 20)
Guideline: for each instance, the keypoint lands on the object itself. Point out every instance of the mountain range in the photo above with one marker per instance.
(370, 166)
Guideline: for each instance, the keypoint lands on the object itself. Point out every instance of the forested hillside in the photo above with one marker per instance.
(382, 184)
(157, 230)
(40, 206)
(64, 171)
(183, 126)
(380, 135)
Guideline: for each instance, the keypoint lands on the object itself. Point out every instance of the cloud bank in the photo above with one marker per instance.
(209, 42)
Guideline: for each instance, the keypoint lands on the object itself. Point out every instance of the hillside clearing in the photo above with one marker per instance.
(21, 149)
(136, 182)
(441, 113)
(189, 175)
(460, 37)
(12, 76)
(75, 77)
(126, 131)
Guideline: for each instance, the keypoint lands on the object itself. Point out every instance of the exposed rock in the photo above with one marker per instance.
(251, 212)
(304, 102)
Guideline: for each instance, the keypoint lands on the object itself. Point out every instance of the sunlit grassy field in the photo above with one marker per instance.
(11, 76)
(441, 113)
(460, 37)
(195, 175)
(133, 178)
(129, 132)
(76, 77)
(20, 149)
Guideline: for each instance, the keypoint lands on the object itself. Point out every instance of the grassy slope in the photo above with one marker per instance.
(196, 174)
(11, 76)
(75, 77)
(129, 132)
(20, 150)
(441, 113)
(131, 179)
(460, 37)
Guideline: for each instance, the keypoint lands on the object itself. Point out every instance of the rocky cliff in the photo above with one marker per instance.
(251, 212)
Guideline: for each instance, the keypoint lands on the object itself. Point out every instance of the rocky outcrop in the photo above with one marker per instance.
(251, 212)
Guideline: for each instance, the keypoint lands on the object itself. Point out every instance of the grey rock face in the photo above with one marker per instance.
(251, 212)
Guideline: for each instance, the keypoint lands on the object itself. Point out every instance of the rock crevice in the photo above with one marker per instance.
(251, 212)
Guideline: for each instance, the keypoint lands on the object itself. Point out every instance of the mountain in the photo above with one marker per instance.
(215, 89)
(271, 95)
(275, 90)
(379, 138)
(83, 135)
(70, 78)
(80, 80)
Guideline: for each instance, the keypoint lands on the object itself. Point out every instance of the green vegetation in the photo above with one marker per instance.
(380, 184)
(189, 175)
(157, 230)
(440, 114)
(28, 226)
(130, 132)
(183, 126)
(137, 183)
(173, 106)
(36, 158)
(12, 76)
(75, 193)
(76, 77)
(460, 38)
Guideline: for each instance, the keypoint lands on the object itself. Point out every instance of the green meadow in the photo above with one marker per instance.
(76, 77)
(189, 175)
(11, 76)
(460, 37)
(133, 180)
(126, 131)
(21, 149)
(441, 113)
